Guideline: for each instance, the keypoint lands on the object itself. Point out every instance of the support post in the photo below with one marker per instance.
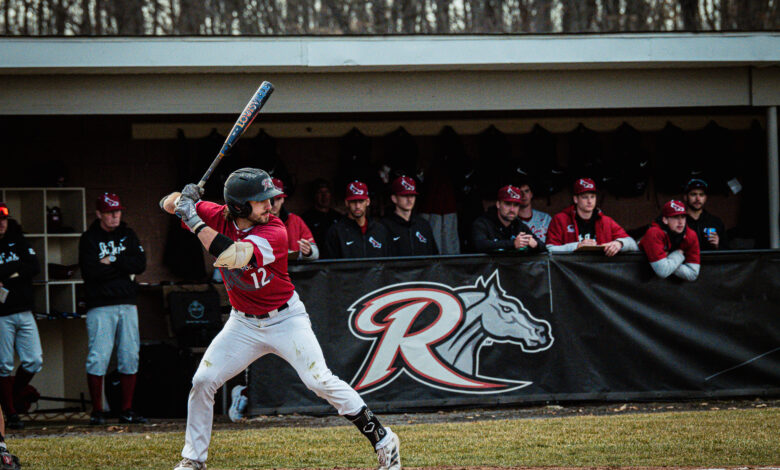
(774, 177)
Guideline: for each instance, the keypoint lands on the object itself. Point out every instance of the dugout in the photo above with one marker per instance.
(125, 114)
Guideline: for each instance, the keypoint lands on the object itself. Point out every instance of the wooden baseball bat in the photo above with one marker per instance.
(249, 114)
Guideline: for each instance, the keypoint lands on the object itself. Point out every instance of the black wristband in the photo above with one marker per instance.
(199, 228)
(220, 244)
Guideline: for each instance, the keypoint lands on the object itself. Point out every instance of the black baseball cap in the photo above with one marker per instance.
(696, 183)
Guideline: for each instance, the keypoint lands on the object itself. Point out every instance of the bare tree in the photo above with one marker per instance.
(266, 17)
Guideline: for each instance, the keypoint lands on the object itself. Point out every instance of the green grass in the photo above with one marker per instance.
(703, 438)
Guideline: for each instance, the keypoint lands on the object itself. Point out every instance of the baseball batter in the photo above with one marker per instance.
(250, 245)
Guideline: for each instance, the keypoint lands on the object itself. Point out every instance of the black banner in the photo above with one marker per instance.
(435, 332)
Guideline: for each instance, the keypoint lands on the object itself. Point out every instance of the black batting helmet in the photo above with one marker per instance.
(248, 184)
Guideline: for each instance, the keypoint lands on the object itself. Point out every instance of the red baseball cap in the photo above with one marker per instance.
(4, 213)
(584, 185)
(673, 208)
(279, 185)
(404, 186)
(109, 202)
(356, 191)
(509, 193)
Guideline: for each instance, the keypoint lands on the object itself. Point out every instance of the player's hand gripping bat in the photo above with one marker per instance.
(247, 116)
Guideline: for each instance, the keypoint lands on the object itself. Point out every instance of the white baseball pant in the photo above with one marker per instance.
(242, 341)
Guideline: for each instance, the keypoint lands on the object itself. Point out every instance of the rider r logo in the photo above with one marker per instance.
(434, 333)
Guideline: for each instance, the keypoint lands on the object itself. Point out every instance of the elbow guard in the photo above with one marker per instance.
(236, 255)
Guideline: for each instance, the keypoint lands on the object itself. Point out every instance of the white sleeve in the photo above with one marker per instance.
(665, 267)
(264, 247)
(629, 244)
(688, 271)
(315, 253)
(565, 248)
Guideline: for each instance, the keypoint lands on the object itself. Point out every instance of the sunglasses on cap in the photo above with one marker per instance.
(696, 182)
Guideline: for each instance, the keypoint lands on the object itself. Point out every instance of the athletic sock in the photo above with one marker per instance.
(7, 395)
(127, 382)
(20, 382)
(369, 425)
(95, 384)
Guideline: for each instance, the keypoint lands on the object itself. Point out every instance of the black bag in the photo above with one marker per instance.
(627, 170)
(585, 155)
(537, 161)
(195, 317)
(669, 166)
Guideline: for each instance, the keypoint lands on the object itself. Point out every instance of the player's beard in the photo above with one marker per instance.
(260, 219)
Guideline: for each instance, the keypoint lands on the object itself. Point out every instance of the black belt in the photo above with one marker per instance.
(265, 315)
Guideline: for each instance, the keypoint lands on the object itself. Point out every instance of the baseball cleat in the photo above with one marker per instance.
(131, 417)
(238, 403)
(8, 461)
(388, 451)
(187, 464)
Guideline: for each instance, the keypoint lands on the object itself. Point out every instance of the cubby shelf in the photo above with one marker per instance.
(57, 247)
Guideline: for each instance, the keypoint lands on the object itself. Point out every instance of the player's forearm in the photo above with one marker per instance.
(207, 236)
(629, 244)
(687, 271)
(168, 203)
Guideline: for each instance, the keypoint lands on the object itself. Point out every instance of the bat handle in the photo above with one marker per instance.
(214, 164)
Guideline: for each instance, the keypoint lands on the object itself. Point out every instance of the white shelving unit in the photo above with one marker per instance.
(28, 207)
(64, 341)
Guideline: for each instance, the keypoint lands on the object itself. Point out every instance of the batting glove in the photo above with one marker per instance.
(192, 191)
(185, 208)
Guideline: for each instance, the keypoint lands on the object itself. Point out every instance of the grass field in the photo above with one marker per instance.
(702, 438)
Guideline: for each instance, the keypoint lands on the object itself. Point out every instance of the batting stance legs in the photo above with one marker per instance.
(241, 342)
(250, 246)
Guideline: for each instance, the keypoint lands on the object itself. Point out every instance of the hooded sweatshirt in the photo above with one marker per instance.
(18, 266)
(110, 284)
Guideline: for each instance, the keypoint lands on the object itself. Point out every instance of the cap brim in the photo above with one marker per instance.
(355, 198)
(407, 193)
(111, 209)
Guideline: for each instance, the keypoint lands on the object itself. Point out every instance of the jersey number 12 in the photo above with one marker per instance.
(263, 278)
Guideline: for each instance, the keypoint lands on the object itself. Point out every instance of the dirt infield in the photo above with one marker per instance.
(77, 424)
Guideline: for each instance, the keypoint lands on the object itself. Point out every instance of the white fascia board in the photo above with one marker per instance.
(387, 53)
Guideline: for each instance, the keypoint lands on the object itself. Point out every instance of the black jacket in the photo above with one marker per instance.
(490, 235)
(345, 240)
(412, 238)
(110, 284)
(707, 220)
(18, 266)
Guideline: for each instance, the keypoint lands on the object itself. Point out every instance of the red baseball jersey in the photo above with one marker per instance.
(296, 230)
(656, 245)
(263, 284)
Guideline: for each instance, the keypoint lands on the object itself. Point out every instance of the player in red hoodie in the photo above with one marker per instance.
(583, 224)
(670, 246)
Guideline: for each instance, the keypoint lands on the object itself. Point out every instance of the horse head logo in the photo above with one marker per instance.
(435, 333)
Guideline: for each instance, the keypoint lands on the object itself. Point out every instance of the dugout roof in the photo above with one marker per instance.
(212, 75)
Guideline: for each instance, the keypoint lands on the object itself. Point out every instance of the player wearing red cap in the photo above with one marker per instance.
(671, 246)
(410, 234)
(500, 229)
(357, 235)
(109, 255)
(583, 224)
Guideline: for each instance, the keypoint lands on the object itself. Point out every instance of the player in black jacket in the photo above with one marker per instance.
(410, 234)
(18, 266)
(709, 228)
(501, 230)
(356, 235)
(109, 255)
